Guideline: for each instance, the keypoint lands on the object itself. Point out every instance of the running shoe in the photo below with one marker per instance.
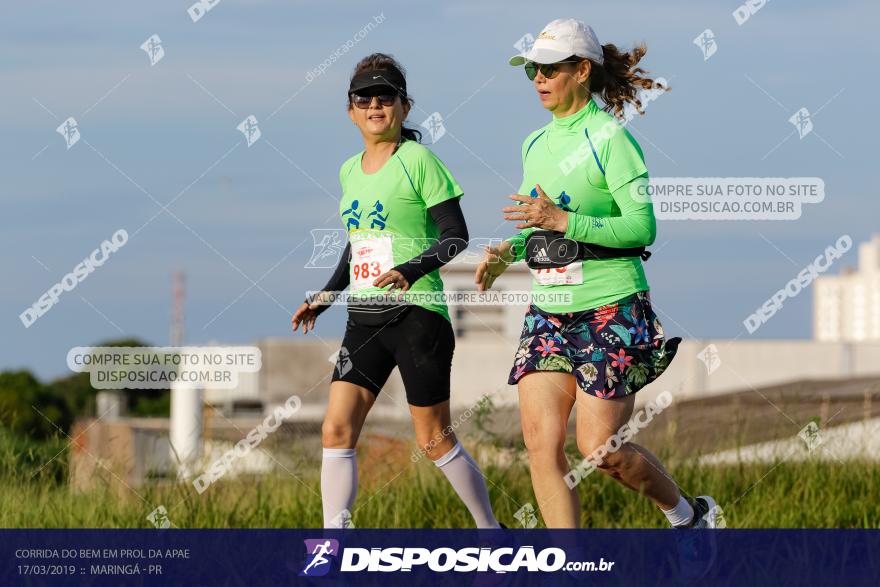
(697, 550)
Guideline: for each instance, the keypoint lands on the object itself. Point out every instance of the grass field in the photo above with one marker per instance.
(789, 494)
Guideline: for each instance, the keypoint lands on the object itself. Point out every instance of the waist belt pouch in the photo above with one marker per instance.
(377, 315)
(549, 249)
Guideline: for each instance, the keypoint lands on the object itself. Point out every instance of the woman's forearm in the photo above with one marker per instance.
(635, 227)
(453, 239)
(338, 281)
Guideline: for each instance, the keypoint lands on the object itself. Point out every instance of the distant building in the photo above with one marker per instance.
(846, 307)
(496, 322)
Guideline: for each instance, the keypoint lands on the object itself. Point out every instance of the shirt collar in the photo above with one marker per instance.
(575, 120)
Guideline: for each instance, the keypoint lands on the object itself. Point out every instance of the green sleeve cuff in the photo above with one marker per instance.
(518, 243)
(518, 247)
(515, 247)
(578, 227)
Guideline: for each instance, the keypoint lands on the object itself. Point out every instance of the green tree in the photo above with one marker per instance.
(29, 407)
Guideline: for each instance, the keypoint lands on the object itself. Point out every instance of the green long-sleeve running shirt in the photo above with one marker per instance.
(591, 166)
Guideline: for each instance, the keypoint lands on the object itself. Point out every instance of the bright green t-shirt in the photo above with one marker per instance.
(585, 162)
(392, 205)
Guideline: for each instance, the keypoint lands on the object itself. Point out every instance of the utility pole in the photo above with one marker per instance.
(185, 429)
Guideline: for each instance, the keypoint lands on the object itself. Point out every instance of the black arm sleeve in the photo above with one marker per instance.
(453, 239)
(340, 279)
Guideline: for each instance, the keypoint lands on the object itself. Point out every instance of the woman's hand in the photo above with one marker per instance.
(395, 278)
(307, 313)
(541, 212)
(494, 264)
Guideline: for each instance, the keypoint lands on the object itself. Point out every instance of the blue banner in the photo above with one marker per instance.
(440, 557)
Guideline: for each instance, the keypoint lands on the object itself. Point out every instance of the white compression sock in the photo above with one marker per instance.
(338, 485)
(682, 514)
(466, 479)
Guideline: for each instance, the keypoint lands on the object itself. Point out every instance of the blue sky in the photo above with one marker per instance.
(151, 132)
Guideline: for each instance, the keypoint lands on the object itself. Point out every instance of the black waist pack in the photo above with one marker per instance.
(377, 314)
(549, 249)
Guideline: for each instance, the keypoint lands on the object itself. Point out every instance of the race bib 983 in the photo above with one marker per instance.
(371, 256)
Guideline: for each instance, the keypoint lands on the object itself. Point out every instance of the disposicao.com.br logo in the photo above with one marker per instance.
(444, 559)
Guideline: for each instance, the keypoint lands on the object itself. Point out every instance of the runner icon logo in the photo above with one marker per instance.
(319, 554)
(342, 360)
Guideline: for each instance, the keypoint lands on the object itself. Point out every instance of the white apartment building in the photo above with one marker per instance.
(846, 307)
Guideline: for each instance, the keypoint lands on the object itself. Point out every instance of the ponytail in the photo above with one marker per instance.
(618, 81)
(410, 134)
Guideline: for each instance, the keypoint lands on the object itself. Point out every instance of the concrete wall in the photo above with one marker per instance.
(487, 343)
(118, 454)
(745, 364)
(481, 366)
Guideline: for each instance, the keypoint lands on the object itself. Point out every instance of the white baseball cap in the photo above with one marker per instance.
(561, 39)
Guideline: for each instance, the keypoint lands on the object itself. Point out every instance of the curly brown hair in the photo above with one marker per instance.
(618, 80)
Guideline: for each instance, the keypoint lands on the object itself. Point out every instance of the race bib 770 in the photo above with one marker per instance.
(571, 274)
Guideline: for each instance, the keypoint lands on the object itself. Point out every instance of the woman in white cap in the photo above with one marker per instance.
(397, 196)
(584, 235)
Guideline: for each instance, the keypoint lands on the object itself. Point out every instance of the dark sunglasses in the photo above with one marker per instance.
(363, 102)
(548, 70)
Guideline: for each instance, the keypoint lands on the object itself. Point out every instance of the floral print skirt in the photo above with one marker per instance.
(613, 351)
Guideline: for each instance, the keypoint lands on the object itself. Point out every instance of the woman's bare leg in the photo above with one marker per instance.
(632, 465)
(545, 402)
